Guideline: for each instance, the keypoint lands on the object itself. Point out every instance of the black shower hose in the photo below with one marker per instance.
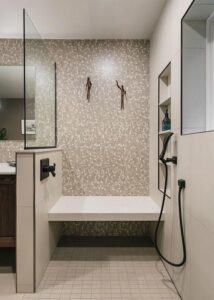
(180, 220)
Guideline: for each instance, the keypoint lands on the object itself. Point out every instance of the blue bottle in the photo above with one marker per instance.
(166, 123)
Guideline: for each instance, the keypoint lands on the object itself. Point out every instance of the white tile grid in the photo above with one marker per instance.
(106, 274)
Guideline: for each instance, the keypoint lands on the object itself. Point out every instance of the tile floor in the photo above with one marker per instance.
(99, 273)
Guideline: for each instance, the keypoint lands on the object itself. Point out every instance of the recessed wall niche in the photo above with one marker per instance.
(164, 105)
(197, 65)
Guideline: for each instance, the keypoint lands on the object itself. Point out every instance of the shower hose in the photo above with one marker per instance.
(181, 184)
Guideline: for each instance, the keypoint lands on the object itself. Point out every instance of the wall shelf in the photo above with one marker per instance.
(164, 103)
(160, 162)
(165, 132)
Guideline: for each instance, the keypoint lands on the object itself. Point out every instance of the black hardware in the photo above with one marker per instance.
(163, 152)
(46, 168)
(182, 183)
(50, 169)
(173, 160)
(12, 163)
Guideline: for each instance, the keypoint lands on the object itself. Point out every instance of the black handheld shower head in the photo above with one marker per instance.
(163, 152)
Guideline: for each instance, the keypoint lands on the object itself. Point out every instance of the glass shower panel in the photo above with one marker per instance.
(39, 125)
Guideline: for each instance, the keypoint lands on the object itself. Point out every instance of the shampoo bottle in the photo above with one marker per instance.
(166, 124)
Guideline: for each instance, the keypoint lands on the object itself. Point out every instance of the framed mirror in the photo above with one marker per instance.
(197, 68)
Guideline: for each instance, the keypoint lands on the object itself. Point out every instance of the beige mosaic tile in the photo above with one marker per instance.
(102, 228)
(105, 150)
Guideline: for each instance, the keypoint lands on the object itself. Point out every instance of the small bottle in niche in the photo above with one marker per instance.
(166, 123)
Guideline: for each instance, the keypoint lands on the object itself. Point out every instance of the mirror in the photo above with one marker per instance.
(198, 68)
(12, 103)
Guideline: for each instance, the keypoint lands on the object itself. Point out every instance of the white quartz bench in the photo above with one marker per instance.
(104, 208)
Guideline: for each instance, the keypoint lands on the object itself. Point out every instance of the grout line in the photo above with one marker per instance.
(171, 279)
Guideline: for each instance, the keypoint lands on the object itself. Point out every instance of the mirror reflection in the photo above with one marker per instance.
(12, 103)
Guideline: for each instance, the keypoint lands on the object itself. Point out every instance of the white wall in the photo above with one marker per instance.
(195, 165)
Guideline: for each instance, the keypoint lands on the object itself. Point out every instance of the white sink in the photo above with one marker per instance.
(6, 169)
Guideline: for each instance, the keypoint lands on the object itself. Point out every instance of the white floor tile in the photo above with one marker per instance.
(99, 273)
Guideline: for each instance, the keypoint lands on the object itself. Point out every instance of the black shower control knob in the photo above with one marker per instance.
(50, 169)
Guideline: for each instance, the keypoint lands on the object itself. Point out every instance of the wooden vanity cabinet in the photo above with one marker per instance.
(7, 210)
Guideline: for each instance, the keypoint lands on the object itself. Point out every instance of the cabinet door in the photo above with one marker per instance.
(7, 205)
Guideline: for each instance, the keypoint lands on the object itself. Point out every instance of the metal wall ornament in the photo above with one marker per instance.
(88, 88)
(121, 88)
(123, 95)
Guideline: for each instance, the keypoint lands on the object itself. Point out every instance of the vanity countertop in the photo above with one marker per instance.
(5, 169)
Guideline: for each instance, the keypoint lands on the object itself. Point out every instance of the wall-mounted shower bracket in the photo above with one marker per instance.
(173, 160)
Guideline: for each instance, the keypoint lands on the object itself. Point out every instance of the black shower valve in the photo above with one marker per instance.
(46, 168)
(50, 169)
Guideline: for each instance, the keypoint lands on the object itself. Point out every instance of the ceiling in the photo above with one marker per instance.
(82, 19)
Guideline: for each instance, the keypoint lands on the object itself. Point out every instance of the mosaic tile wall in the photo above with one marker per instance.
(43, 73)
(105, 150)
(106, 228)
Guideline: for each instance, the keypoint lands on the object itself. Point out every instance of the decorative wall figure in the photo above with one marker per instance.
(88, 88)
(123, 94)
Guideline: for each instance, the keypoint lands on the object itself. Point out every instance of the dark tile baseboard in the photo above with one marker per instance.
(106, 241)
